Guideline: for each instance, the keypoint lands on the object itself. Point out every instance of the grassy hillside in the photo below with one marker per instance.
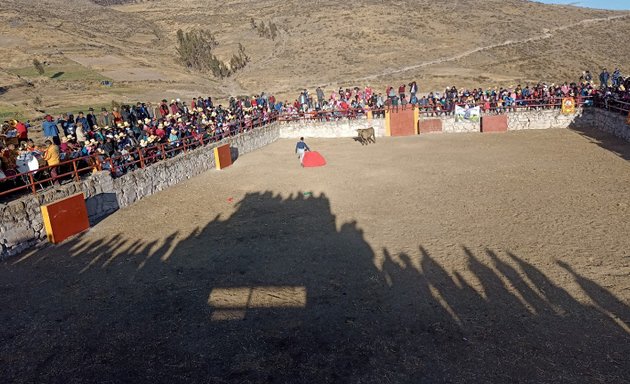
(467, 42)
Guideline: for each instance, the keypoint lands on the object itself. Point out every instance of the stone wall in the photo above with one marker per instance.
(606, 121)
(330, 129)
(610, 122)
(21, 225)
(544, 119)
(449, 125)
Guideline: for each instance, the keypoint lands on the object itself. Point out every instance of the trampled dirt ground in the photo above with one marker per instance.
(463, 258)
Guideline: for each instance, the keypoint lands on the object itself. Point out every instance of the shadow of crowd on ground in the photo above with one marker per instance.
(605, 140)
(122, 309)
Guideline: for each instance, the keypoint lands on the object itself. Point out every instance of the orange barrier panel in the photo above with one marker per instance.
(568, 106)
(431, 125)
(65, 218)
(494, 123)
(402, 121)
(222, 156)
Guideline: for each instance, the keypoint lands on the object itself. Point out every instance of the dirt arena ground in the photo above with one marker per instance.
(463, 258)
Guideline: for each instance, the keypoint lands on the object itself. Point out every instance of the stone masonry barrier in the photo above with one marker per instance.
(330, 129)
(21, 225)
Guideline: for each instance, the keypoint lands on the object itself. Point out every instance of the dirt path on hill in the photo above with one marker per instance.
(546, 34)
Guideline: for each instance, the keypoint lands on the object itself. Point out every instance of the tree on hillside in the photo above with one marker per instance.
(195, 52)
(195, 48)
(239, 60)
(39, 67)
(262, 29)
(268, 31)
(273, 31)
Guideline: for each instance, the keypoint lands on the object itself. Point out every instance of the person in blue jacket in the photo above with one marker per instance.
(51, 131)
(300, 148)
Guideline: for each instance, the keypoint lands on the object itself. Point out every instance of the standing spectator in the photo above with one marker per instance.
(413, 89)
(401, 92)
(588, 77)
(616, 78)
(163, 109)
(603, 78)
(91, 118)
(52, 159)
(303, 100)
(22, 131)
(150, 110)
(117, 117)
(66, 123)
(50, 129)
(83, 120)
(104, 119)
(391, 92)
(320, 95)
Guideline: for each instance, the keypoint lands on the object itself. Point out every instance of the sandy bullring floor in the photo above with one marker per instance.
(437, 259)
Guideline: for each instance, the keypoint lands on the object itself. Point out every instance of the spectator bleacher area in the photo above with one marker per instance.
(133, 137)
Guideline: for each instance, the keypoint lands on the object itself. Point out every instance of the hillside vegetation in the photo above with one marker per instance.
(321, 43)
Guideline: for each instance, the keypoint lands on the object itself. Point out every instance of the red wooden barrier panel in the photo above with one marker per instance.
(402, 121)
(431, 125)
(222, 156)
(497, 123)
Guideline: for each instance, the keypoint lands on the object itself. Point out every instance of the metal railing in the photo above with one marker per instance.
(118, 165)
(68, 169)
(614, 105)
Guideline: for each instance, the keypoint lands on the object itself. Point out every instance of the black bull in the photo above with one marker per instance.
(366, 135)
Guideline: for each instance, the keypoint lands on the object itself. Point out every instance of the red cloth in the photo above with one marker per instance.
(313, 159)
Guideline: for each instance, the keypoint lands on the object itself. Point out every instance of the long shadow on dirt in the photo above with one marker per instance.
(606, 140)
(281, 293)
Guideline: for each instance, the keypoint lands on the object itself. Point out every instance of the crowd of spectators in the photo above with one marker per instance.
(117, 139)
(492, 100)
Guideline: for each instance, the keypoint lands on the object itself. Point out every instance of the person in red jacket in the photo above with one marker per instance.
(22, 131)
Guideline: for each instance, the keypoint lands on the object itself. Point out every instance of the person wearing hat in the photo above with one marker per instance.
(91, 117)
(51, 131)
(104, 118)
(108, 146)
(99, 135)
